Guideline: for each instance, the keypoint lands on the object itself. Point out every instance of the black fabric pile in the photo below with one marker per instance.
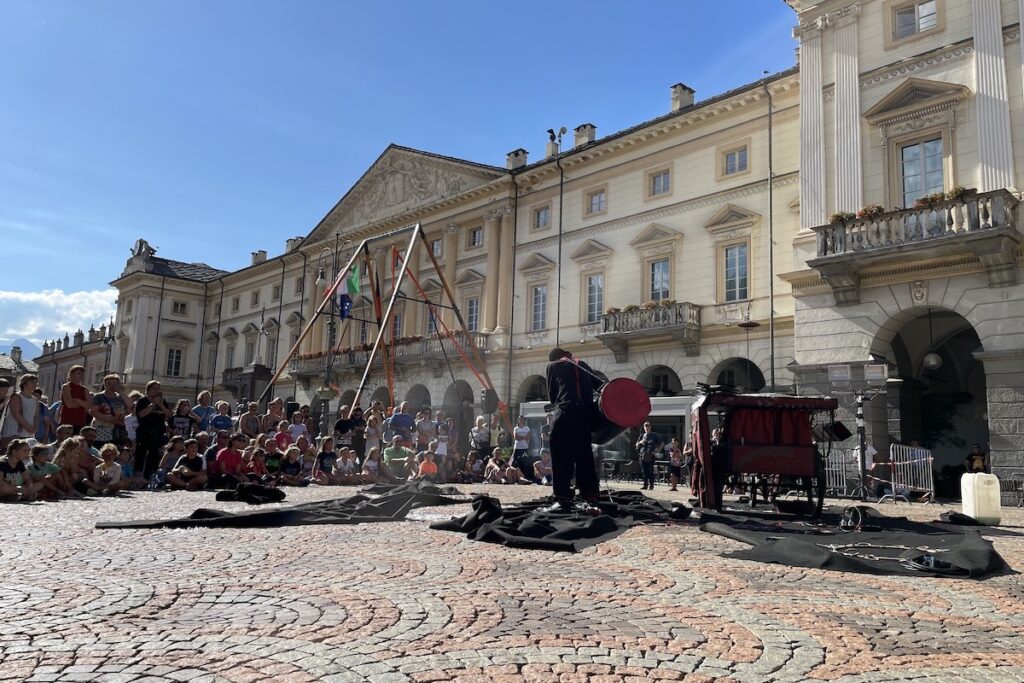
(393, 504)
(528, 525)
(880, 544)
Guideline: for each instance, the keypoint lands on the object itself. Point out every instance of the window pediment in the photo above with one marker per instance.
(230, 333)
(536, 263)
(655, 234)
(178, 336)
(271, 323)
(732, 221)
(250, 329)
(294, 319)
(431, 285)
(469, 277)
(914, 97)
(591, 249)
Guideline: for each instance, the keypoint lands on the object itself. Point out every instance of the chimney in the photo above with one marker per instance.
(259, 256)
(583, 134)
(682, 96)
(516, 159)
(292, 243)
(79, 338)
(16, 355)
(551, 151)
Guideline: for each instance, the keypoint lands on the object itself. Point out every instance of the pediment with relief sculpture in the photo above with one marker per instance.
(401, 180)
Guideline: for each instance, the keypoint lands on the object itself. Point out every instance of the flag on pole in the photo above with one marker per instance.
(348, 295)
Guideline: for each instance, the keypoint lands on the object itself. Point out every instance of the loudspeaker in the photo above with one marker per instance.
(488, 401)
(837, 430)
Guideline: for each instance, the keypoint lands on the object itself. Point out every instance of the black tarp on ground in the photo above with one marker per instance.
(528, 525)
(885, 545)
(392, 505)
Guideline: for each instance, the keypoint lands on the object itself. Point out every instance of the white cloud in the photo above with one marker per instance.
(38, 316)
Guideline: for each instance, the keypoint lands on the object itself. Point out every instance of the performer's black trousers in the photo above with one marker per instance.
(571, 452)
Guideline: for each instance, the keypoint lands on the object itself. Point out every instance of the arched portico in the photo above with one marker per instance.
(741, 373)
(941, 398)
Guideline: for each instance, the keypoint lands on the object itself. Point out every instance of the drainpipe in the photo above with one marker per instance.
(771, 242)
(280, 309)
(159, 319)
(202, 335)
(302, 317)
(216, 343)
(512, 295)
(558, 282)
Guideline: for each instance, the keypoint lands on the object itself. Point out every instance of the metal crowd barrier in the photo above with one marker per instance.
(837, 465)
(911, 472)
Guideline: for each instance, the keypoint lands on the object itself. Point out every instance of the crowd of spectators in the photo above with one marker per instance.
(99, 444)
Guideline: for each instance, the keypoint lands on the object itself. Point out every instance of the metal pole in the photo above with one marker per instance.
(863, 446)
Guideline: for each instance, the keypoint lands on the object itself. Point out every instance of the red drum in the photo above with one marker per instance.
(623, 403)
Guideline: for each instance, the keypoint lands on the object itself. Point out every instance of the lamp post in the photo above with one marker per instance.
(321, 281)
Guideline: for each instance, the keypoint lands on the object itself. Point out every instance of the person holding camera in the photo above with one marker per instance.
(151, 435)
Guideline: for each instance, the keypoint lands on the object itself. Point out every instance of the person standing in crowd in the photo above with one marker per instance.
(977, 460)
(22, 413)
(675, 463)
(480, 438)
(75, 401)
(183, 423)
(521, 452)
(153, 413)
(571, 386)
(358, 433)
(108, 411)
(204, 410)
(426, 430)
(274, 415)
(5, 390)
(403, 424)
(44, 425)
(373, 432)
(648, 445)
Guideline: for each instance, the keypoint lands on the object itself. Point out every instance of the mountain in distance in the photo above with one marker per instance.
(28, 349)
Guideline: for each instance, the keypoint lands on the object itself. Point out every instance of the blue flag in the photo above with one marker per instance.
(344, 305)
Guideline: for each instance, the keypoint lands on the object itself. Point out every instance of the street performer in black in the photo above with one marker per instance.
(571, 385)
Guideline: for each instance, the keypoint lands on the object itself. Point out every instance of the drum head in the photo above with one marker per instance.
(625, 402)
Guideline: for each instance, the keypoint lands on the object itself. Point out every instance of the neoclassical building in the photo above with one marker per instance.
(641, 251)
(902, 100)
(717, 242)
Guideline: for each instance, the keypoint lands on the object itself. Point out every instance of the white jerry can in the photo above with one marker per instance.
(979, 493)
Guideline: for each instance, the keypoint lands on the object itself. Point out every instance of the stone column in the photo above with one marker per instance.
(812, 126)
(506, 272)
(849, 195)
(450, 255)
(1004, 384)
(492, 242)
(313, 298)
(995, 144)
(414, 314)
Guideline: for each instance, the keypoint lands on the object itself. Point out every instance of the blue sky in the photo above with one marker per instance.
(216, 128)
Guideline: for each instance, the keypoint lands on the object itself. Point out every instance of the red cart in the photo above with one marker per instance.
(762, 440)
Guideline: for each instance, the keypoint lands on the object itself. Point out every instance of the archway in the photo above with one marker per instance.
(381, 394)
(418, 398)
(942, 400)
(741, 373)
(458, 405)
(660, 380)
(533, 388)
(347, 397)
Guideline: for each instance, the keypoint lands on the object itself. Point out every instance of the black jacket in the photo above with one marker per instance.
(569, 385)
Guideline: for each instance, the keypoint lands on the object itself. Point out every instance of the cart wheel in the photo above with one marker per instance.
(816, 486)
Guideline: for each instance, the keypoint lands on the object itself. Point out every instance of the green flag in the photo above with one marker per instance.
(353, 283)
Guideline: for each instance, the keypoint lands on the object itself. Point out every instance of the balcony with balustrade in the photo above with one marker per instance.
(678, 320)
(983, 225)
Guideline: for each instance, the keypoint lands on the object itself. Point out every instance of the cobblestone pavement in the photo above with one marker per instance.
(399, 602)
